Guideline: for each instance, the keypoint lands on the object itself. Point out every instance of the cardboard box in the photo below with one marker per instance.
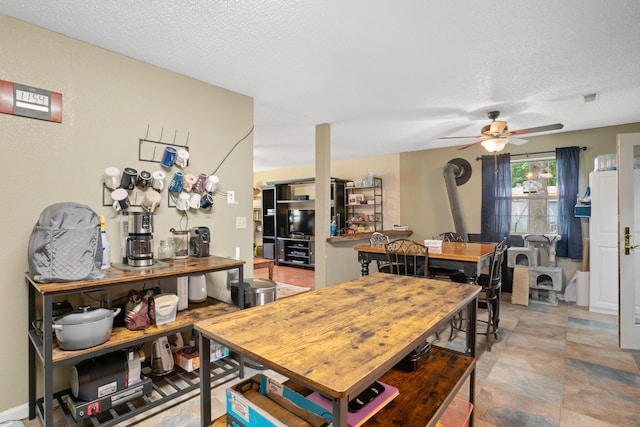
(188, 358)
(242, 412)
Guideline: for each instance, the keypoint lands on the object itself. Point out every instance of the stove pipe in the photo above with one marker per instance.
(450, 171)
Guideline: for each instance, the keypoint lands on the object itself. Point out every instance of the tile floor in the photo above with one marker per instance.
(551, 366)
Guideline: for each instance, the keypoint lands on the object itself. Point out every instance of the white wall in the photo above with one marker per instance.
(108, 102)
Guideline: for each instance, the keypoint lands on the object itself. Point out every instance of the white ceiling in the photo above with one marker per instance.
(388, 76)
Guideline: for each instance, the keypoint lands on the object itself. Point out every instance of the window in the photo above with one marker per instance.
(534, 202)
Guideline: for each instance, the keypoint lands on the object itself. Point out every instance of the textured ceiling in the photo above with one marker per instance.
(387, 76)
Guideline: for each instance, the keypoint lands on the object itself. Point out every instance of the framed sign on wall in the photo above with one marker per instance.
(22, 100)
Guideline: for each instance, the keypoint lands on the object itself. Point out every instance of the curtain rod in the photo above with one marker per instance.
(534, 153)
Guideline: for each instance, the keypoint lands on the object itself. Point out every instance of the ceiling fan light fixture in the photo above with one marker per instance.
(494, 145)
(497, 127)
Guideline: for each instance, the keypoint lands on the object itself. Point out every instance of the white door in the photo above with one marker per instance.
(629, 239)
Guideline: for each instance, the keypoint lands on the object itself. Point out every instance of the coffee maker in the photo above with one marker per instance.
(140, 239)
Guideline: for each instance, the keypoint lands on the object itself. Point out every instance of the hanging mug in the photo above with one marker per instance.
(182, 158)
(112, 177)
(189, 181)
(129, 177)
(120, 199)
(169, 157)
(194, 203)
(151, 200)
(201, 183)
(206, 201)
(144, 179)
(184, 202)
(176, 182)
(212, 184)
(157, 181)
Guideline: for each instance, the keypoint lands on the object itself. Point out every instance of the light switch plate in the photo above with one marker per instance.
(241, 222)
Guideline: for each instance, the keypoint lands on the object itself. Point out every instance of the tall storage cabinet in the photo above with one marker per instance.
(603, 242)
(279, 199)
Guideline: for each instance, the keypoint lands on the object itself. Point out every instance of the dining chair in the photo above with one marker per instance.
(378, 239)
(446, 273)
(489, 298)
(450, 236)
(407, 258)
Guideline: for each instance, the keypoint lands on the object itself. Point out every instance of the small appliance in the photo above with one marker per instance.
(140, 239)
(197, 288)
(161, 357)
(199, 242)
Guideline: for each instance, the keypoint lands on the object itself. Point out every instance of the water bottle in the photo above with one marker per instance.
(106, 246)
(333, 228)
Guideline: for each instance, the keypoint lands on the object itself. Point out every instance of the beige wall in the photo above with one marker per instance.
(108, 102)
(425, 206)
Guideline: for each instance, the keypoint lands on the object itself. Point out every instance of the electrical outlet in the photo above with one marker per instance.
(241, 222)
(231, 196)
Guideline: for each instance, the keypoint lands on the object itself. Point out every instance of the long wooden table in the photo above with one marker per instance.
(467, 257)
(340, 339)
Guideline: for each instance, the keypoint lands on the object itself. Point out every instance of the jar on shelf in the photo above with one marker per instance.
(180, 243)
(166, 249)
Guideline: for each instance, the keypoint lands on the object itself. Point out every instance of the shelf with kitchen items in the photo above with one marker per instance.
(44, 346)
(363, 203)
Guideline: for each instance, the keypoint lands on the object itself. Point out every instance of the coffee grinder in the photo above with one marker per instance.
(140, 239)
(199, 242)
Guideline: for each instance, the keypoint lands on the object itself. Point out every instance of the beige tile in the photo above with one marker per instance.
(535, 361)
(568, 418)
(526, 383)
(594, 402)
(592, 338)
(537, 343)
(501, 407)
(611, 357)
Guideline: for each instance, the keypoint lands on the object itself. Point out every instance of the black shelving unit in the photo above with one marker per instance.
(278, 197)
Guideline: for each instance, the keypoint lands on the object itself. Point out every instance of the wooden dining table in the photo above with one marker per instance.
(463, 256)
(339, 339)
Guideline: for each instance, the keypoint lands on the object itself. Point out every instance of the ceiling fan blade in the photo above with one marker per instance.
(535, 129)
(457, 137)
(471, 145)
(517, 141)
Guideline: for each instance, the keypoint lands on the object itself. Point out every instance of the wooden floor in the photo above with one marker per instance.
(291, 275)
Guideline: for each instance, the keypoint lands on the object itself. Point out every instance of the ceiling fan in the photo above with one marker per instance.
(496, 135)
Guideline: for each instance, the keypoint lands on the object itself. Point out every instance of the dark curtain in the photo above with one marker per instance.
(495, 220)
(569, 227)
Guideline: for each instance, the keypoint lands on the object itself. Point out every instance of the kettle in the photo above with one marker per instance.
(161, 357)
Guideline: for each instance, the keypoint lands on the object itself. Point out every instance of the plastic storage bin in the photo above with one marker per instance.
(606, 162)
(166, 308)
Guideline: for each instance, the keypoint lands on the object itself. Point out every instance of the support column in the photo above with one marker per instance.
(322, 202)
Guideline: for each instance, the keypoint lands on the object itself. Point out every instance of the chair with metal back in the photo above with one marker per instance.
(489, 297)
(445, 273)
(491, 287)
(450, 236)
(407, 258)
(379, 239)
